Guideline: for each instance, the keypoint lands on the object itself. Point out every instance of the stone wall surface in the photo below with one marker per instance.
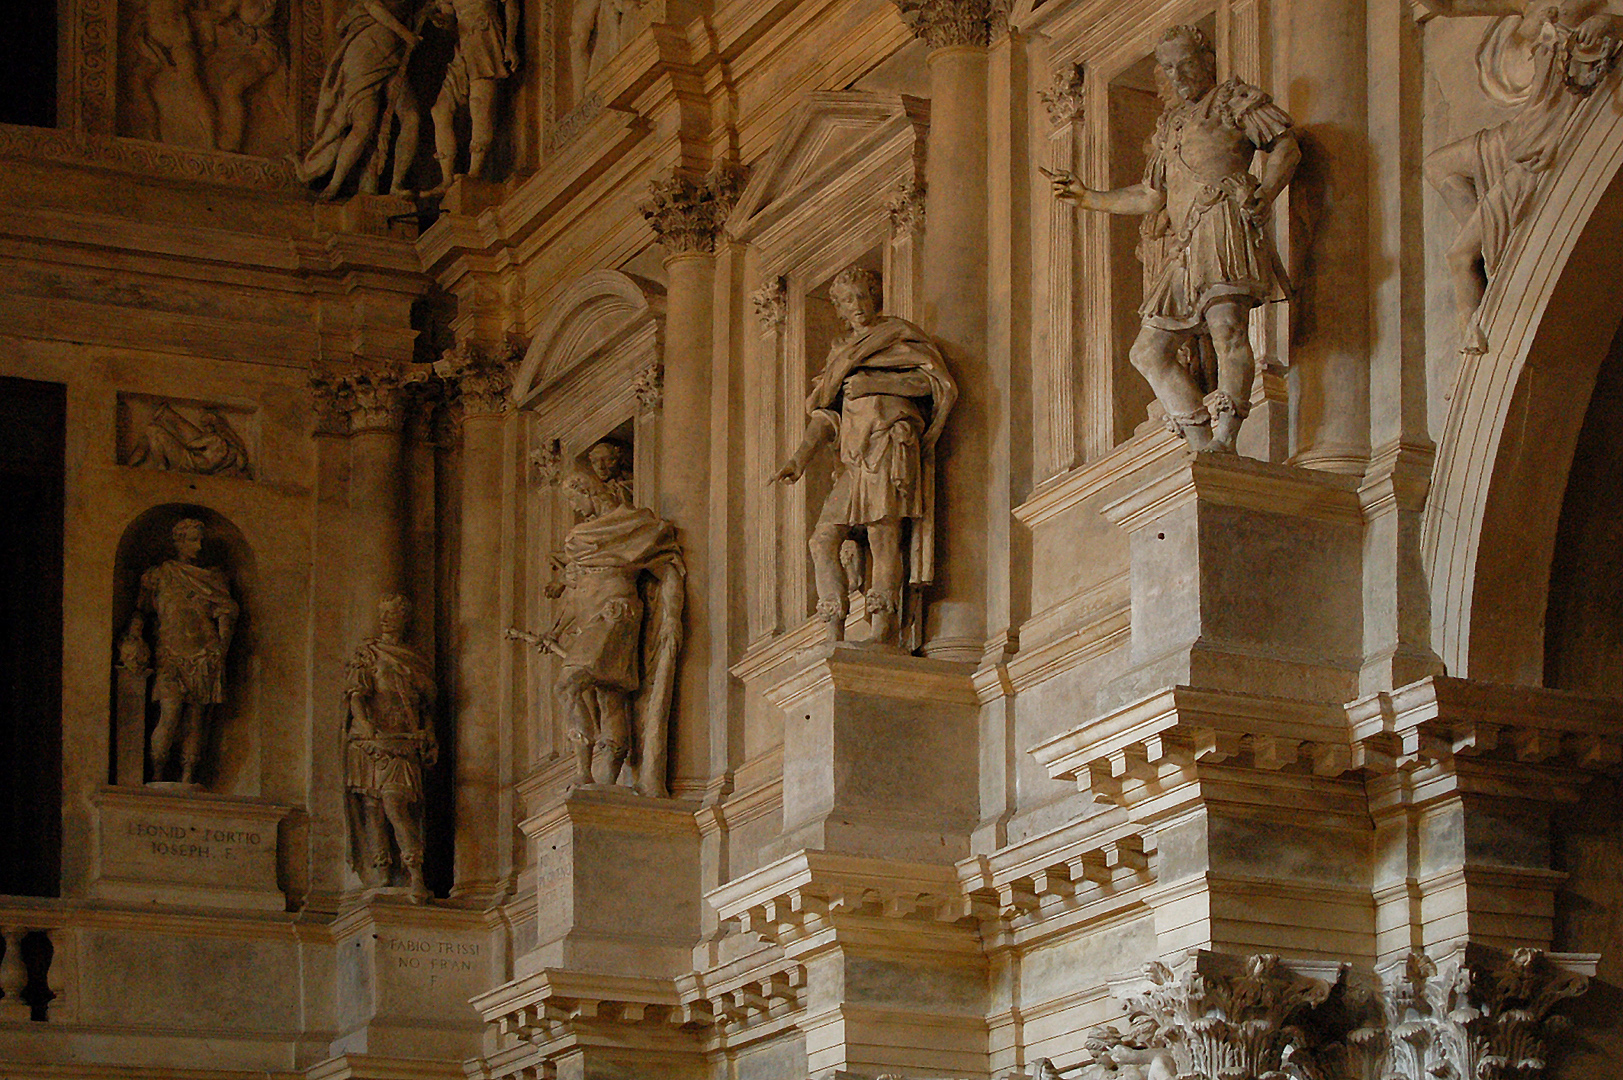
(727, 540)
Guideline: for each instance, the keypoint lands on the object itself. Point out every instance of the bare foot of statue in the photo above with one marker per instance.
(1198, 436)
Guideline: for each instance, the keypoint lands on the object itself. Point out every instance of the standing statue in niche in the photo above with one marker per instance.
(1545, 65)
(882, 400)
(389, 742)
(209, 446)
(486, 53)
(362, 93)
(1209, 258)
(619, 630)
(193, 618)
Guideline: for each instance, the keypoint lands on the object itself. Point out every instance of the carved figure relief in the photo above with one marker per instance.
(598, 30)
(208, 74)
(882, 400)
(209, 446)
(1208, 258)
(619, 629)
(389, 743)
(1488, 178)
(190, 615)
(364, 94)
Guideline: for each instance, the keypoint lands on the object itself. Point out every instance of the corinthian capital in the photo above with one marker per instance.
(482, 382)
(687, 214)
(375, 398)
(943, 23)
(1063, 98)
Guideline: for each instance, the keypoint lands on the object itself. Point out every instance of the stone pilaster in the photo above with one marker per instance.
(480, 385)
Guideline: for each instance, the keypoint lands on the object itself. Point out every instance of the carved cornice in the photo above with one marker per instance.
(136, 155)
(687, 214)
(1063, 98)
(771, 303)
(649, 386)
(906, 207)
(941, 24)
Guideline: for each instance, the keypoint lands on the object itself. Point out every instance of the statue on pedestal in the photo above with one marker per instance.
(486, 53)
(389, 741)
(620, 628)
(1208, 259)
(882, 399)
(193, 618)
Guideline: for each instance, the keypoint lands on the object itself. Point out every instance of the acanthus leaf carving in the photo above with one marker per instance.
(1064, 97)
(942, 24)
(771, 303)
(482, 384)
(906, 207)
(687, 214)
(649, 387)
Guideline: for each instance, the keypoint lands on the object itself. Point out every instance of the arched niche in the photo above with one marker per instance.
(594, 370)
(1516, 413)
(231, 755)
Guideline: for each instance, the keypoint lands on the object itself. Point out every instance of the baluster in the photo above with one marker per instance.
(13, 976)
(56, 976)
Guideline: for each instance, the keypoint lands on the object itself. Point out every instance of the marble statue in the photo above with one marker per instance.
(619, 630)
(193, 616)
(363, 92)
(1209, 258)
(882, 400)
(486, 53)
(597, 31)
(199, 60)
(389, 742)
(209, 446)
(1544, 61)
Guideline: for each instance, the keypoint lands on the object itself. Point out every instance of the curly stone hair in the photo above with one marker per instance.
(858, 278)
(1193, 36)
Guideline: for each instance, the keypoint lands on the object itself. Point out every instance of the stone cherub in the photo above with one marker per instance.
(389, 743)
(1210, 258)
(194, 617)
(619, 630)
(882, 399)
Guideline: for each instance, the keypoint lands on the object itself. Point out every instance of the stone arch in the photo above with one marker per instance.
(145, 543)
(1516, 413)
(595, 315)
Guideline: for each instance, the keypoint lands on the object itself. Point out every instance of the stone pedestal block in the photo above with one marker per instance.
(405, 974)
(186, 850)
(617, 883)
(879, 756)
(1245, 576)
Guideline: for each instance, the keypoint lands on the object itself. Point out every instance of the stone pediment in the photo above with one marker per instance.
(593, 317)
(828, 134)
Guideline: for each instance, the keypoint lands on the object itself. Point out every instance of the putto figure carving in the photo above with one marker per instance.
(619, 632)
(194, 617)
(486, 53)
(389, 744)
(882, 399)
(1209, 259)
(209, 446)
(1544, 64)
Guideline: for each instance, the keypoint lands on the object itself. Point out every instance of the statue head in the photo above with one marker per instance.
(606, 459)
(858, 296)
(394, 615)
(187, 533)
(1188, 61)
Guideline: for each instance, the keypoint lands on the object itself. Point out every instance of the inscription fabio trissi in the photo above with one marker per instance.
(433, 957)
(203, 842)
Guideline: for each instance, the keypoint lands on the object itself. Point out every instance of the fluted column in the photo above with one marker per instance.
(953, 310)
(484, 815)
(686, 215)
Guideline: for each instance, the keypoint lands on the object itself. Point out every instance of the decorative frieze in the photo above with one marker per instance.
(942, 24)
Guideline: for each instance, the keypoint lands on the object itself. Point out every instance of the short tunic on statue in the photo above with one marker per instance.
(886, 390)
(479, 52)
(189, 602)
(1200, 157)
(397, 685)
(602, 635)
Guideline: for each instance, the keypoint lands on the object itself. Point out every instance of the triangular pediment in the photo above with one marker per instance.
(828, 132)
